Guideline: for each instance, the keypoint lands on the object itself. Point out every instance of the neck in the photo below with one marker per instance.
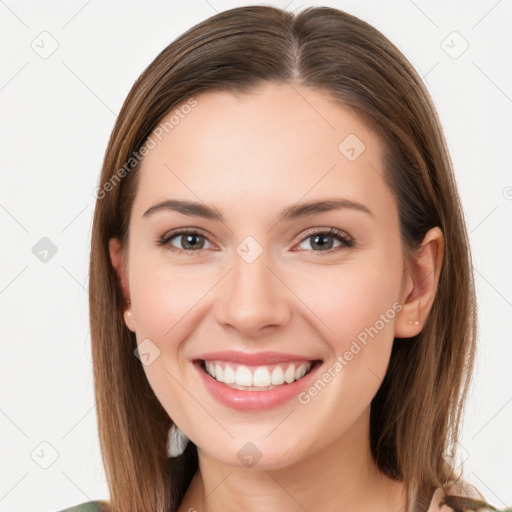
(341, 476)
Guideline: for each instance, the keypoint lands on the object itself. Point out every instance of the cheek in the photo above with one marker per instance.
(165, 299)
(351, 299)
(355, 309)
(164, 305)
(355, 306)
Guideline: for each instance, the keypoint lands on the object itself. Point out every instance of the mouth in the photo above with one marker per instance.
(255, 381)
(244, 377)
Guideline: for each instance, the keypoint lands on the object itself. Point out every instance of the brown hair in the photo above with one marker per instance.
(416, 413)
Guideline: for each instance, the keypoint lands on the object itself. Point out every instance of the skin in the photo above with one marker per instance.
(251, 156)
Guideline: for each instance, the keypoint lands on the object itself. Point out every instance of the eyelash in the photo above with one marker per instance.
(347, 242)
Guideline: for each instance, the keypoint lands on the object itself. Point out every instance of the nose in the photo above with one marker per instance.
(252, 298)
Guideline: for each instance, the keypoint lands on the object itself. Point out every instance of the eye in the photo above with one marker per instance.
(187, 241)
(323, 239)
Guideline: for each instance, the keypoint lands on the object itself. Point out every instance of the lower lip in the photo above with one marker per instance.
(255, 400)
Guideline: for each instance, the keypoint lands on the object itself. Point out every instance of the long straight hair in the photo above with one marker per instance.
(416, 413)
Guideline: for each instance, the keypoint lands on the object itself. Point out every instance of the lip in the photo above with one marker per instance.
(256, 400)
(253, 359)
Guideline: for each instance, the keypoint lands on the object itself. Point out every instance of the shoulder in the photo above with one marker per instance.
(88, 506)
(457, 497)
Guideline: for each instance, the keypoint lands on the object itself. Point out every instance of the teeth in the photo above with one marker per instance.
(261, 377)
(289, 374)
(219, 372)
(300, 372)
(229, 375)
(243, 376)
(277, 376)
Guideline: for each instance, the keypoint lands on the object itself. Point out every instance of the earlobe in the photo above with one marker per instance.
(119, 264)
(421, 285)
(128, 318)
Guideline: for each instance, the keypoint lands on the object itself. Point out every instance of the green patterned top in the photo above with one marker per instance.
(456, 503)
(88, 506)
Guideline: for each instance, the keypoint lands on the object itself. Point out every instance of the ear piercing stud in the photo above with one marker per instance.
(416, 322)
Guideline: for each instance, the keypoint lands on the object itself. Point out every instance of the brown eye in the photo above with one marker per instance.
(324, 240)
(183, 241)
(191, 241)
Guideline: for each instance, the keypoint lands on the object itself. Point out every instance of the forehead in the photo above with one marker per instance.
(273, 146)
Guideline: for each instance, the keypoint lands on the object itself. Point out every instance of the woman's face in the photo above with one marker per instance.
(263, 278)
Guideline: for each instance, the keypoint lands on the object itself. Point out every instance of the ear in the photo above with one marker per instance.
(118, 262)
(420, 285)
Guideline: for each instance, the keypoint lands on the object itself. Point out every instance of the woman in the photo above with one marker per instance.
(281, 296)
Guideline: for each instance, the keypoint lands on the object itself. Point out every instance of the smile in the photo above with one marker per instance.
(256, 378)
(255, 381)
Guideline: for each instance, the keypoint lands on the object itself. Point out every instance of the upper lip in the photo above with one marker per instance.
(254, 358)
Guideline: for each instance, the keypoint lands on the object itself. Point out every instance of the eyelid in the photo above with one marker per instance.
(185, 231)
(328, 231)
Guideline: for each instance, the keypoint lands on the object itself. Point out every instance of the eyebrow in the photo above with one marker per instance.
(291, 213)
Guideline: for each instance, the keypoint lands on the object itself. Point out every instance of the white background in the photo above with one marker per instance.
(56, 116)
